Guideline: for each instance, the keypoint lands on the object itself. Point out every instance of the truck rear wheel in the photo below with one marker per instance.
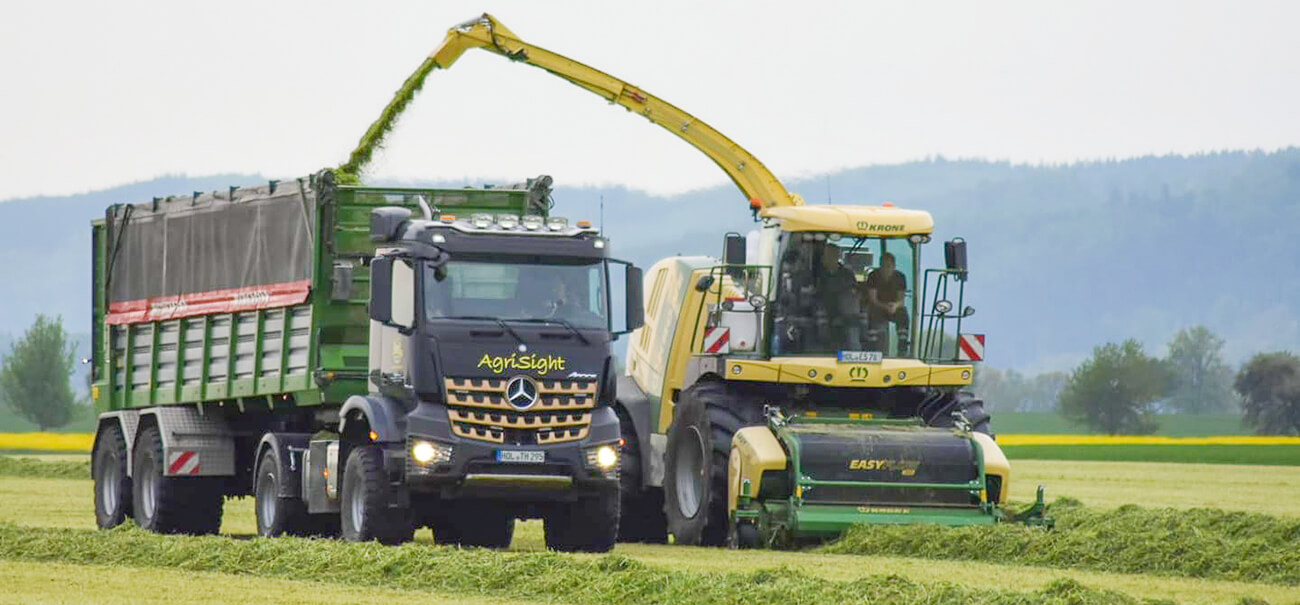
(365, 507)
(112, 485)
(588, 525)
(277, 516)
(478, 524)
(172, 505)
(695, 467)
(642, 516)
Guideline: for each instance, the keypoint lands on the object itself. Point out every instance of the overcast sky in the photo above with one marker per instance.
(96, 94)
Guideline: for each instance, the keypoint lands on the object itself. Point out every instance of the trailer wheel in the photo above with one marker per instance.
(588, 525)
(476, 524)
(642, 515)
(695, 467)
(365, 510)
(277, 516)
(172, 505)
(112, 485)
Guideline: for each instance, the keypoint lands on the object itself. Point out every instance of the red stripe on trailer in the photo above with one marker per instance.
(232, 300)
(715, 339)
(180, 462)
(971, 347)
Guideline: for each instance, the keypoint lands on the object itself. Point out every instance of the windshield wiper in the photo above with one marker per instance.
(499, 321)
(557, 320)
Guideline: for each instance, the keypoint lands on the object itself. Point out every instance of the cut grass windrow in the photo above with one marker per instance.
(539, 576)
(43, 469)
(1197, 543)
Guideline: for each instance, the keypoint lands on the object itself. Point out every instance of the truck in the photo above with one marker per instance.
(359, 360)
(781, 398)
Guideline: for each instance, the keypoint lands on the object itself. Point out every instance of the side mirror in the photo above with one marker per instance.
(392, 292)
(635, 302)
(954, 256)
(381, 290)
(733, 250)
(341, 289)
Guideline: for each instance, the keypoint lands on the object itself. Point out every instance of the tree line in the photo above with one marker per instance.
(1120, 388)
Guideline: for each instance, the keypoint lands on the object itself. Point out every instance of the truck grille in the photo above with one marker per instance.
(478, 409)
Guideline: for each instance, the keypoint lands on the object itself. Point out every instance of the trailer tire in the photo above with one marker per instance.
(366, 494)
(172, 505)
(588, 525)
(112, 483)
(695, 467)
(641, 518)
(277, 516)
(480, 525)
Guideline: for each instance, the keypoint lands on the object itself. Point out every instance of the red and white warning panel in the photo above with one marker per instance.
(184, 462)
(970, 347)
(717, 340)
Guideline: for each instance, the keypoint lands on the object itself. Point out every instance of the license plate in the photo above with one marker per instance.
(861, 357)
(521, 456)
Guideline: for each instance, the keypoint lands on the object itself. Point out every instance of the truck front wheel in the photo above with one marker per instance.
(366, 501)
(112, 485)
(588, 525)
(172, 505)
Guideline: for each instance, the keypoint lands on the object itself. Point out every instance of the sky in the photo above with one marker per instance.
(97, 94)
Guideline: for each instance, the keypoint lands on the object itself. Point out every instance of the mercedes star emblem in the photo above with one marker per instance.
(521, 392)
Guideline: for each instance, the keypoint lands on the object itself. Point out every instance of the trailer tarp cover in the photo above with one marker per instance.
(211, 253)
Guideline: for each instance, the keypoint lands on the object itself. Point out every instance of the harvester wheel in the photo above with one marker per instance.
(479, 524)
(112, 485)
(695, 467)
(172, 505)
(365, 507)
(588, 525)
(642, 518)
(275, 515)
(938, 411)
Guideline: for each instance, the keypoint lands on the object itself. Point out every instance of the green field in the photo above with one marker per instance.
(1171, 425)
(83, 421)
(261, 568)
(1275, 455)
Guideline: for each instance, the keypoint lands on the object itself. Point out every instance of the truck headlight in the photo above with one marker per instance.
(430, 452)
(603, 457)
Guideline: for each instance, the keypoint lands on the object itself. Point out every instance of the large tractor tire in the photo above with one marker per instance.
(477, 524)
(277, 516)
(938, 411)
(588, 525)
(172, 505)
(641, 517)
(365, 501)
(695, 473)
(112, 484)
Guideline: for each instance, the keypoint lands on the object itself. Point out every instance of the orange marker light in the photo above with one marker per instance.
(374, 436)
(447, 218)
(755, 203)
(888, 204)
(584, 224)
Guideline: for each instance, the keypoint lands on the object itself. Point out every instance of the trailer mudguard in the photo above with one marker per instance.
(640, 410)
(386, 416)
(289, 449)
(128, 421)
(194, 444)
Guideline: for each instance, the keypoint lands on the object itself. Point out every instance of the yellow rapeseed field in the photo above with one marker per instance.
(48, 442)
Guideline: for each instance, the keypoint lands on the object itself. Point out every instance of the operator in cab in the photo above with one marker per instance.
(885, 288)
(839, 298)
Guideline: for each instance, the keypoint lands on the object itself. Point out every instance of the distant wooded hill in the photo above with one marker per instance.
(1063, 257)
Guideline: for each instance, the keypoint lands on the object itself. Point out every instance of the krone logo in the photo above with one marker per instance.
(521, 392)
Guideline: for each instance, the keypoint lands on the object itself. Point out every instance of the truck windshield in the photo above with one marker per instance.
(573, 293)
(843, 292)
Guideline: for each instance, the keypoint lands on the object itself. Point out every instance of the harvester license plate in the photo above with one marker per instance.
(861, 357)
(521, 456)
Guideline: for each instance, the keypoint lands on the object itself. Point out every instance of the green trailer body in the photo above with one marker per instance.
(312, 352)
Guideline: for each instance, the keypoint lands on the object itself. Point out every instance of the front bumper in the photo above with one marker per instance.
(474, 472)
